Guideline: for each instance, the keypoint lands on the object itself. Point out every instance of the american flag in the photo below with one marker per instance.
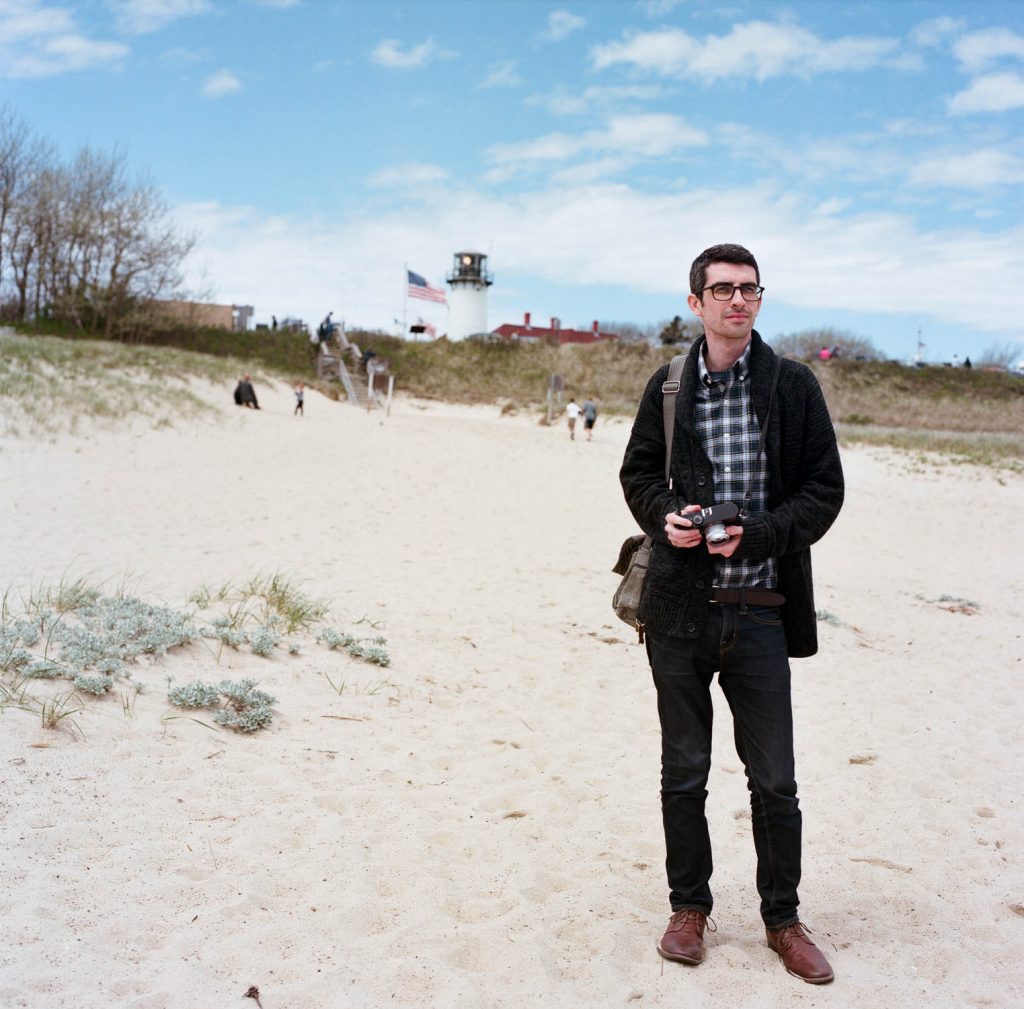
(419, 288)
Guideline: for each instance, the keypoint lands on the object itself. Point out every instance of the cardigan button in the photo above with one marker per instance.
(700, 583)
(691, 628)
(701, 480)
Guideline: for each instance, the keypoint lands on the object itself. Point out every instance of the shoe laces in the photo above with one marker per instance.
(690, 915)
(790, 933)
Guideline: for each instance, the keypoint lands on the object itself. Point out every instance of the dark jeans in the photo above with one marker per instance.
(747, 648)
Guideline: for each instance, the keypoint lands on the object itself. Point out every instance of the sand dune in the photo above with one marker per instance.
(478, 824)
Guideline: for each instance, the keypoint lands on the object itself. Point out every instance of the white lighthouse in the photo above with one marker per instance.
(467, 303)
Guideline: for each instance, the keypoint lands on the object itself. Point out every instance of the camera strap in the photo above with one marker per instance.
(764, 433)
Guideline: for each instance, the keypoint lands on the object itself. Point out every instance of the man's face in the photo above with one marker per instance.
(730, 320)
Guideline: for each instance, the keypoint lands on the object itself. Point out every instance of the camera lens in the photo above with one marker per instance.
(716, 534)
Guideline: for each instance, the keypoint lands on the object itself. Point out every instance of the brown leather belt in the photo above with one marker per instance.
(748, 597)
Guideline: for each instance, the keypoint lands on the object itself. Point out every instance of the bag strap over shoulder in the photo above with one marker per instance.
(764, 433)
(669, 391)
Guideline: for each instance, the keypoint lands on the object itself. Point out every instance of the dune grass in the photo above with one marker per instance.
(992, 450)
(76, 634)
(50, 384)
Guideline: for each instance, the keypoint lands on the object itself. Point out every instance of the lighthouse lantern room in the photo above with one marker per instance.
(467, 303)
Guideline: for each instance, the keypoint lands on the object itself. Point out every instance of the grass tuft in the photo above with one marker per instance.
(75, 632)
(244, 708)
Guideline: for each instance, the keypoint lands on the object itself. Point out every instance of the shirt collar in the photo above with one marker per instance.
(738, 372)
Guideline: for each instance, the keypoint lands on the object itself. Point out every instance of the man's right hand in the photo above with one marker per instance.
(679, 529)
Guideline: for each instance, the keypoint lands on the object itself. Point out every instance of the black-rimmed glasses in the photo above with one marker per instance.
(725, 292)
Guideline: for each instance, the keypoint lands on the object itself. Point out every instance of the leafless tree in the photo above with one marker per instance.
(807, 343)
(1001, 355)
(82, 243)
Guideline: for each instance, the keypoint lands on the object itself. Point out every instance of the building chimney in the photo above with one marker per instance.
(595, 328)
(555, 324)
(526, 319)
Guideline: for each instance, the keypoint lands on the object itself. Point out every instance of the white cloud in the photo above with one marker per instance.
(833, 161)
(812, 257)
(38, 41)
(587, 173)
(504, 74)
(758, 50)
(26, 19)
(566, 103)
(221, 83)
(990, 93)
(561, 24)
(980, 50)
(389, 53)
(935, 31)
(412, 175)
(140, 17)
(650, 135)
(833, 206)
(180, 56)
(977, 170)
(658, 8)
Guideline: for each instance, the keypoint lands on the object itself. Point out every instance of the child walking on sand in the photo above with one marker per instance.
(300, 396)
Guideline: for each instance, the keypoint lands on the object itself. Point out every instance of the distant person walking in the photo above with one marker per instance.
(589, 418)
(300, 399)
(572, 412)
(824, 354)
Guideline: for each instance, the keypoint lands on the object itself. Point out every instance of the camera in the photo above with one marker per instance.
(711, 521)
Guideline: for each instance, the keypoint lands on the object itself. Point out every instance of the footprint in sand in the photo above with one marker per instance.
(884, 863)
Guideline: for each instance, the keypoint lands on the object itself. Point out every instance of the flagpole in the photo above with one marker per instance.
(405, 298)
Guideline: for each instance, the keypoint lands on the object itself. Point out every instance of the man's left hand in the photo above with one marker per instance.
(729, 547)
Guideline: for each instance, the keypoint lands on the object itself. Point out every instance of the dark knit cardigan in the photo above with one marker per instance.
(805, 493)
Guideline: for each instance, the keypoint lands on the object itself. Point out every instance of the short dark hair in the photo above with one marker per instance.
(719, 254)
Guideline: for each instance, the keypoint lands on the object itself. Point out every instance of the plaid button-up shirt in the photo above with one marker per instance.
(728, 429)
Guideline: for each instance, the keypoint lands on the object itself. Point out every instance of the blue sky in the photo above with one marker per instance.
(871, 155)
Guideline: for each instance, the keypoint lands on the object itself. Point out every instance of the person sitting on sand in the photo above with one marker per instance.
(245, 394)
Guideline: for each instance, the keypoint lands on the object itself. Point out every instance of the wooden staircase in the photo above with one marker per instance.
(339, 359)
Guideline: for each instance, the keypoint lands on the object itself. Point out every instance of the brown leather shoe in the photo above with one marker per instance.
(684, 938)
(799, 955)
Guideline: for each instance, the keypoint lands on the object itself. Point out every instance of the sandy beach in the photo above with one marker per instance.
(478, 824)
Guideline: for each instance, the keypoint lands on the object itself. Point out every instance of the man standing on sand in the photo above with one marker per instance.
(740, 608)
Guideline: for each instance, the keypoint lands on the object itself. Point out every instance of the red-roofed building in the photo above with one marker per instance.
(526, 332)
